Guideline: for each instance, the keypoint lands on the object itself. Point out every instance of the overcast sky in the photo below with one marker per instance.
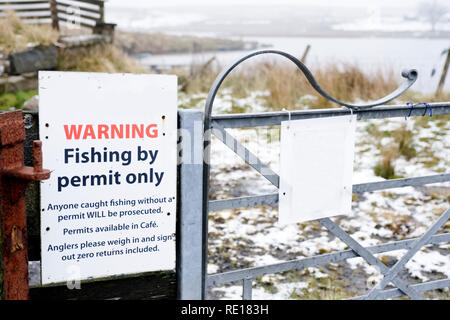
(352, 3)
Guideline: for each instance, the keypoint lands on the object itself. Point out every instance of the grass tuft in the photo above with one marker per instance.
(15, 35)
(404, 138)
(99, 58)
(384, 168)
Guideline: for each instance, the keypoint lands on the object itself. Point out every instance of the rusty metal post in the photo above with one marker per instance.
(14, 178)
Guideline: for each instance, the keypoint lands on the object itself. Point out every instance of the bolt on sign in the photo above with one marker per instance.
(110, 142)
(316, 168)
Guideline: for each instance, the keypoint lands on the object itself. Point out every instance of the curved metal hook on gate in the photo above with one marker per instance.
(410, 75)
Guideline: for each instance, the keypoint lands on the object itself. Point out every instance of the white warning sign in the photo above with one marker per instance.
(109, 207)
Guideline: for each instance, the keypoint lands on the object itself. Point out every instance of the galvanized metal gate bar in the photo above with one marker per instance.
(357, 248)
(373, 294)
(245, 154)
(420, 287)
(247, 288)
(366, 255)
(244, 120)
(272, 198)
(225, 137)
(189, 262)
(236, 275)
(217, 124)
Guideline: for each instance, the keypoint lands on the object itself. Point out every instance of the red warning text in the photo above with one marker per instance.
(110, 131)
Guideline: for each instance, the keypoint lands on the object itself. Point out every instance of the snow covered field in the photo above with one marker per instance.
(250, 237)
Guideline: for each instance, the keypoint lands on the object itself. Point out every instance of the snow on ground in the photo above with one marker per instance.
(250, 237)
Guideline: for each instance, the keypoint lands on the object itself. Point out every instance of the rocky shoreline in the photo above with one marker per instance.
(135, 43)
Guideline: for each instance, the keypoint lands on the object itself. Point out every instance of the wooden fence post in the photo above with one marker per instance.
(101, 10)
(54, 14)
(444, 74)
(305, 53)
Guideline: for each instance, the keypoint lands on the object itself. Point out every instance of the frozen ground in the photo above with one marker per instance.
(250, 237)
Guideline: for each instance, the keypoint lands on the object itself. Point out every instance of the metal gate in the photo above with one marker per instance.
(217, 125)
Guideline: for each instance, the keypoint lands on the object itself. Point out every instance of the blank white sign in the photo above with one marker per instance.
(316, 167)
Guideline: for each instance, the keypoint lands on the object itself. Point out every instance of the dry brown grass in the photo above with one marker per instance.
(402, 145)
(99, 58)
(286, 84)
(404, 139)
(347, 83)
(416, 97)
(16, 35)
(198, 78)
